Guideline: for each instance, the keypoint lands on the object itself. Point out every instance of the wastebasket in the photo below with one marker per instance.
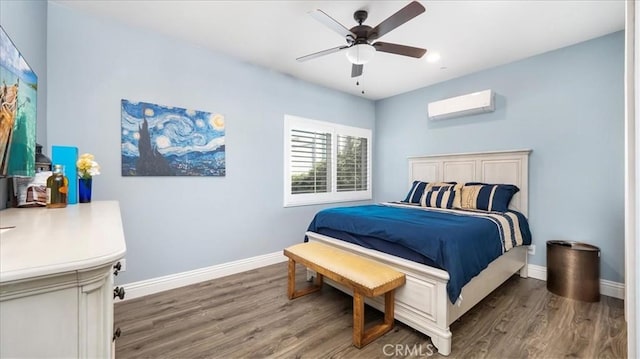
(573, 270)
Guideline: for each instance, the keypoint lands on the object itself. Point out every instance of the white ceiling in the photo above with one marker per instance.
(470, 35)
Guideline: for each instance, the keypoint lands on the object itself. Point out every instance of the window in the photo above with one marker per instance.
(310, 161)
(325, 162)
(351, 169)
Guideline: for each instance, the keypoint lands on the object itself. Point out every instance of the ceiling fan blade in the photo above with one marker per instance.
(332, 23)
(403, 15)
(399, 49)
(321, 53)
(356, 70)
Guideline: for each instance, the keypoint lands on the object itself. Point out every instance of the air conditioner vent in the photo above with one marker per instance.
(474, 103)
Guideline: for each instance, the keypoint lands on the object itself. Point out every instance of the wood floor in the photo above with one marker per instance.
(248, 315)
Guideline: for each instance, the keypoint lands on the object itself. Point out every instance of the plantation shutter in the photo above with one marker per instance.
(351, 169)
(310, 162)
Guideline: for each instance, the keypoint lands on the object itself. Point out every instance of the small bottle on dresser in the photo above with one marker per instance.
(57, 188)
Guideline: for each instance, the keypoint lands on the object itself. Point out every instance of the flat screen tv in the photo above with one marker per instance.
(18, 95)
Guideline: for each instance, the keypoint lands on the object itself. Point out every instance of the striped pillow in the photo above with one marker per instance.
(440, 197)
(487, 197)
(457, 188)
(416, 192)
(418, 188)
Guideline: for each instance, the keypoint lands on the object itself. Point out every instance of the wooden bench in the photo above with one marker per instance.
(366, 277)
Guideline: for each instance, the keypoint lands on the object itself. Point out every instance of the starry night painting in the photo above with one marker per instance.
(170, 141)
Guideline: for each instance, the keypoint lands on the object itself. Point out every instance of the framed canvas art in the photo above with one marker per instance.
(170, 141)
(18, 106)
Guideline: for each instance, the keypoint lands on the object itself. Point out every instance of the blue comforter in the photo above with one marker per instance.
(463, 243)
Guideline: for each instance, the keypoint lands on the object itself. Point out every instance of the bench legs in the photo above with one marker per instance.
(291, 284)
(362, 337)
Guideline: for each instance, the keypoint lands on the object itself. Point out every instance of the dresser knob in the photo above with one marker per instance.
(118, 292)
(116, 334)
(116, 268)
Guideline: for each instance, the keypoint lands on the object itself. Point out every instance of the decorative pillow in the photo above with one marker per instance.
(416, 192)
(450, 185)
(439, 197)
(442, 195)
(487, 197)
(439, 184)
(418, 188)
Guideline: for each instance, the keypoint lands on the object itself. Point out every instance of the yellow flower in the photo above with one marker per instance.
(87, 167)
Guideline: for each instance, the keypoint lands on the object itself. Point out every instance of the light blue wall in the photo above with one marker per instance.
(566, 105)
(175, 224)
(26, 24)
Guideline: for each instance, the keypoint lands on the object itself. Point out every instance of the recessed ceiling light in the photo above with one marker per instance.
(433, 57)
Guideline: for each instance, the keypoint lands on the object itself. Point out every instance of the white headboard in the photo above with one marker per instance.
(509, 167)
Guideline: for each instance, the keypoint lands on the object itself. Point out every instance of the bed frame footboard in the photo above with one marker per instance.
(422, 303)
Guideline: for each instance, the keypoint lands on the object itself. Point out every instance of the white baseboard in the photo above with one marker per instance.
(537, 272)
(607, 287)
(172, 281)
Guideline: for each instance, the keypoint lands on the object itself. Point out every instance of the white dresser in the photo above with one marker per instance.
(56, 280)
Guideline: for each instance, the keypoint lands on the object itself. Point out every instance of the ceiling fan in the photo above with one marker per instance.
(359, 48)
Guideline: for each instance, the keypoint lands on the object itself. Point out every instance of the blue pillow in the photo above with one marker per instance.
(487, 197)
(416, 191)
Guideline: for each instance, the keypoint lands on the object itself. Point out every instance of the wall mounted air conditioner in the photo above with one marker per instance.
(473, 103)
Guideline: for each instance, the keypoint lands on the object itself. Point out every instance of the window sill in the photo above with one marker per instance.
(310, 202)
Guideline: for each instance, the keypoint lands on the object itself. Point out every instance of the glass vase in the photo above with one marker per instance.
(84, 190)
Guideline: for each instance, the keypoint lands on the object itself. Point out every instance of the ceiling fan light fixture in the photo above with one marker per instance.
(433, 57)
(360, 54)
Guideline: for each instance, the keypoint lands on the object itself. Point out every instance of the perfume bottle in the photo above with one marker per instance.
(57, 188)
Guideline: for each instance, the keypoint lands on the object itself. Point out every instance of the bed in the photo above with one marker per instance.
(424, 302)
